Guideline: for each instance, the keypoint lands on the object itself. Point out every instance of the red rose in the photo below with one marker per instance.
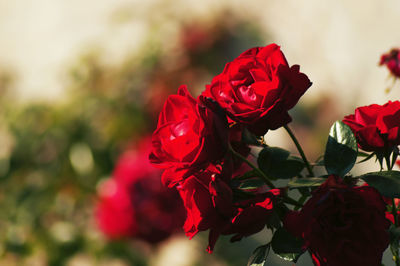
(208, 200)
(342, 225)
(189, 135)
(134, 203)
(376, 127)
(258, 88)
(252, 216)
(197, 200)
(392, 61)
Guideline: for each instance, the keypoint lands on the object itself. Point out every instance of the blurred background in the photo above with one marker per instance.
(81, 85)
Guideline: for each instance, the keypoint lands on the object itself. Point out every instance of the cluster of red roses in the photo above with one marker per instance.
(203, 146)
(193, 137)
(336, 222)
(134, 204)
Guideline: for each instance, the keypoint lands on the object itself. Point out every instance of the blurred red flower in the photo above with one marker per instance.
(134, 203)
(392, 61)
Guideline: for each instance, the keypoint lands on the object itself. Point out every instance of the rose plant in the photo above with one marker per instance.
(214, 153)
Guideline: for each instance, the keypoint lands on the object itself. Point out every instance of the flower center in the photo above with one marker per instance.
(247, 95)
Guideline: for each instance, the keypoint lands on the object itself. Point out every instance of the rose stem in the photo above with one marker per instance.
(303, 156)
(394, 211)
(261, 173)
(264, 177)
(394, 207)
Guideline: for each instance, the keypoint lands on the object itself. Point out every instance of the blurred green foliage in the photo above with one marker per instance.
(53, 155)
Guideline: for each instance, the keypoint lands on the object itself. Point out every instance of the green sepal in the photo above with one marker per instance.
(367, 158)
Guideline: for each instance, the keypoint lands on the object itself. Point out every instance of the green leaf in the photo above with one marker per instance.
(306, 182)
(386, 182)
(277, 163)
(286, 246)
(253, 183)
(274, 220)
(247, 175)
(278, 213)
(259, 256)
(268, 155)
(238, 181)
(292, 167)
(341, 150)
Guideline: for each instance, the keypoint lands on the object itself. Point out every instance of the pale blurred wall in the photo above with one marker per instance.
(39, 38)
(337, 43)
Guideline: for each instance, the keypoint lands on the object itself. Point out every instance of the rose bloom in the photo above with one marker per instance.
(342, 225)
(392, 61)
(134, 203)
(208, 200)
(189, 135)
(258, 88)
(376, 127)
